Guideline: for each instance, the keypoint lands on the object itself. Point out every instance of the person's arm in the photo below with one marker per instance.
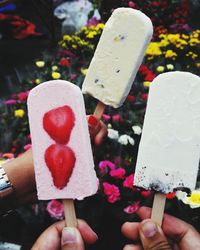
(175, 233)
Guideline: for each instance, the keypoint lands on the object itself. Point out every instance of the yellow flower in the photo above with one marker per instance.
(19, 113)
(186, 37)
(40, 64)
(170, 54)
(153, 49)
(194, 198)
(91, 34)
(194, 41)
(160, 69)
(146, 84)
(84, 71)
(164, 43)
(54, 67)
(55, 75)
(67, 38)
(74, 46)
(198, 65)
(173, 37)
(100, 26)
(37, 81)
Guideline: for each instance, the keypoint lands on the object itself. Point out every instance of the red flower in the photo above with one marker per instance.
(112, 192)
(131, 4)
(118, 173)
(117, 118)
(144, 97)
(64, 62)
(146, 73)
(131, 98)
(145, 193)
(155, 4)
(23, 96)
(171, 196)
(128, 182)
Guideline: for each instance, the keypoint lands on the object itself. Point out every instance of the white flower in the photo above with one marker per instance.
(113, 134)
(137, 130)
(192, 200)
(125, 139)
(181, 195)
(170, 66)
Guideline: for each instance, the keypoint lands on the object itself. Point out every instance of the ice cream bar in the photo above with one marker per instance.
(169, 149)
(118, 55)
(62, 153)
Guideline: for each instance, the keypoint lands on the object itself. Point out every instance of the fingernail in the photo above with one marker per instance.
(149, 229)
(69, 235)
(92, 121)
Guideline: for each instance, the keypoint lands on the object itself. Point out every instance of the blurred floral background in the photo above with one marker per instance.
(175, 46)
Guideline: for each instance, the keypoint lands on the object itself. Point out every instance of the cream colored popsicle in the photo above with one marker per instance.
(62, 153)
(169, 149)
(118, 55)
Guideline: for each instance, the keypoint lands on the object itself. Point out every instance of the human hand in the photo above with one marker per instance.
(97, 129)
(57, 237)
(175, 233)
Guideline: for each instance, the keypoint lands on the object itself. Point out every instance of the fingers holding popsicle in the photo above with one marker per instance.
(97, 129)
(58, 236)
(152, 236)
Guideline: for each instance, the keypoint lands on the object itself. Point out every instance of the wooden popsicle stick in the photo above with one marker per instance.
(158, 208)
(99, 110)
(70, 214)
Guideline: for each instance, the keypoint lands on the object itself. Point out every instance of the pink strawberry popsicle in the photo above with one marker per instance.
(62, 153)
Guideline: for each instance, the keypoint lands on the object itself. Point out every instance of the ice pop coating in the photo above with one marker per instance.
(62, 153)
(118, 55)
(169, 149)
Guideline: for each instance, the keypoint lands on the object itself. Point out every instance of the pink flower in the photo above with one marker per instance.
(55, 209)
(128, 182)
(116, 118)
(131, 209)
(104, 166)
(112, 192)
(106, 117)
(131, 4)
(145, 193)
(72, 76)
(10, 102)
(118, 173)
(22, 96)
(92, 21)
(27, 146)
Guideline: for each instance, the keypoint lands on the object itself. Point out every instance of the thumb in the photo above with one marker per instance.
(152, 236)
(71, 239)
